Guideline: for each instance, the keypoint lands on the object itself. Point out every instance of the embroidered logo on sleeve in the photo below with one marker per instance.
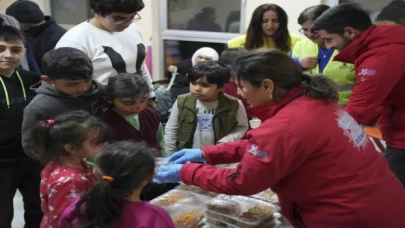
(364, 73)
(254, 150)
(352, 129)
(367, 72)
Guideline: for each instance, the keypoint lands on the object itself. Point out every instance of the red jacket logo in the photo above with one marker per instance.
(351, 129)
(254, 150)
(367, 72)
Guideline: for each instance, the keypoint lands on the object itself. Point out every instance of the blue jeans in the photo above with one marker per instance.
(396, 161)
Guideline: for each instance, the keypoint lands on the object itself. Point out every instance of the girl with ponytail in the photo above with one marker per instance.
(305, 147)
(63, 143)
(122, 169)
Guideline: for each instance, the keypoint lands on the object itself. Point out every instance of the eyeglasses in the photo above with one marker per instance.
(304, 31)
(120, 20)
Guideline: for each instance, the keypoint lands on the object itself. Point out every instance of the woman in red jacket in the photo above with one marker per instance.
(307, 149)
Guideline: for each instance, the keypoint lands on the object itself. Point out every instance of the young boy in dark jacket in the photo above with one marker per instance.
(66, 86)
(17, 170)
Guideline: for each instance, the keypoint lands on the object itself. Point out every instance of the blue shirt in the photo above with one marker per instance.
(324, 56)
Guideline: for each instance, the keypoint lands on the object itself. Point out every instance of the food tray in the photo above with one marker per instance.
(215, 223)
(196, 190)
(188, 217)
(268, 196)
(176, 198)
(240, 211)
(272, 224)
(170, 198)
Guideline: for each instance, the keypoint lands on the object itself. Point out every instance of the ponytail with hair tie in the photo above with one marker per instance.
(49, 123)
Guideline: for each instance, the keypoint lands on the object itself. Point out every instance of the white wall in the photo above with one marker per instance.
(148, 21)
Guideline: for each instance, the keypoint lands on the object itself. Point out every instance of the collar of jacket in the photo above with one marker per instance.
(222, 106)
(266, 111)
(357, 47)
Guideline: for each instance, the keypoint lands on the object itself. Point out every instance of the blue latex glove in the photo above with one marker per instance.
(168, 174)
(185, 155)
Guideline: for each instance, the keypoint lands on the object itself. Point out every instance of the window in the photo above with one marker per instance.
(207, 15)
(393, 11)
(187, 25)
(70, 12)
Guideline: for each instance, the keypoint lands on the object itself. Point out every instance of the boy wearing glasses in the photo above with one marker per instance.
(111, 40)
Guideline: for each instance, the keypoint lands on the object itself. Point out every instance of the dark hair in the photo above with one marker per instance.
(129, 164)
(254, 35)
(106, 7)
(127, 85)
(337, 18)
(394, 11)
(10, 33)
(49, 139)
(312, 13)
(215, 73)
(282, 70)
(67, 63)
(229, 56)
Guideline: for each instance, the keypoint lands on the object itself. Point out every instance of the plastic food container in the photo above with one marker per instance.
(240, 211)
(212, 224)
(268, 196)
(196, 190)
(188, 217)
(170, 198)
(175, 199)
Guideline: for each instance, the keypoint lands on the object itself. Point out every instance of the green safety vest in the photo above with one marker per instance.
(223, 121)
(341, 73)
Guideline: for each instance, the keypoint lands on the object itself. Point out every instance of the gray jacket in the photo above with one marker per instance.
(50, 102)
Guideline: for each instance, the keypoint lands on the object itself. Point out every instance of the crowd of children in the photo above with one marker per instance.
(66, 116)
(80, 139)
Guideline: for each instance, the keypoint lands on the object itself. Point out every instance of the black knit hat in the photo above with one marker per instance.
(25, 12)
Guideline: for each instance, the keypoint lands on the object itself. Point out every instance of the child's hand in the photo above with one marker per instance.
(185, 155)
(168, 174)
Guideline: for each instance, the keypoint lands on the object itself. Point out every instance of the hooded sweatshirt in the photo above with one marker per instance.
(11, 116)
(378, 55)
(50, 102)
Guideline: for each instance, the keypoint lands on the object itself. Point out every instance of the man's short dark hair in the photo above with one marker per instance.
(214, 72)
(106, 7)
(229, 56)
(67, 63)
(10, 33)
(312, 13)
(337, 18)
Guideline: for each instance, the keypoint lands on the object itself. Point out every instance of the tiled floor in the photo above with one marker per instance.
(18, 221)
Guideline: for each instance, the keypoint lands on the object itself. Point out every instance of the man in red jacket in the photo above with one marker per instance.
(378, 53)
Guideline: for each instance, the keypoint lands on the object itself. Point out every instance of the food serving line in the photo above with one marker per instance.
(193, 207)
